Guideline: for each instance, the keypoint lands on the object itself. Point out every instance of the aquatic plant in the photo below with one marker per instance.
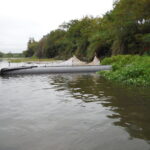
(128, 69)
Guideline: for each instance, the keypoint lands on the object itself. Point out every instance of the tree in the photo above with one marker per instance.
(31, 48)
(1, 54)
(123, 30)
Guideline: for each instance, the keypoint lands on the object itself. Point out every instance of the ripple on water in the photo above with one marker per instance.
(72, 111)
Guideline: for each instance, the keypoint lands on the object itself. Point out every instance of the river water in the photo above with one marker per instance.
(72, 112)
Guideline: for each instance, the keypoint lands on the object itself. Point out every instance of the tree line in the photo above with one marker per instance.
(10, 55)
(123, 30)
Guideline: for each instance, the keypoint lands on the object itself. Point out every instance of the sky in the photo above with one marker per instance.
(23, 19)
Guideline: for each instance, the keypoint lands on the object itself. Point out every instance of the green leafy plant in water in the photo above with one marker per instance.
(128, 69)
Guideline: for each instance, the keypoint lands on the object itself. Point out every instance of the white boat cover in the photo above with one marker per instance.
(95, 61)
(74, 61)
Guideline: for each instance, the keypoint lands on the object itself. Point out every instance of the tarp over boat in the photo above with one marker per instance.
(74, 61)
(95, 62)
(73, 65)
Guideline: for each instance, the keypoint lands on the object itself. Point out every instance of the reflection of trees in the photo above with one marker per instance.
(130, 106)
(84, 87)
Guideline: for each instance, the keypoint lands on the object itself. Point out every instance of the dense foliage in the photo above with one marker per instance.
(128, 69)
(123, 30)
(10, 55)
(1, 54)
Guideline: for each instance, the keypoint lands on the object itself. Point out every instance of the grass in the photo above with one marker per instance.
(128, 69)
(18, 60)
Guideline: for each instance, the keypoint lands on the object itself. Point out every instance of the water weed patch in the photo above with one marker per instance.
(128, 69)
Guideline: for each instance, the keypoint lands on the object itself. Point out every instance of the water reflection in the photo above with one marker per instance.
(130, 106)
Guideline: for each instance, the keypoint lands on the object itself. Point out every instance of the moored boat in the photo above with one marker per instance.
(52, 69)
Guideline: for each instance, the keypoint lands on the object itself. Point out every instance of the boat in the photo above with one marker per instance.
(53, 69)
(72, 65)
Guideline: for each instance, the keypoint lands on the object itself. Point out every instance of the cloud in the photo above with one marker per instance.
(21, 19)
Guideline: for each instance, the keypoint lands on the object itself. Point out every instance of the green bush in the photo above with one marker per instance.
(128, 69)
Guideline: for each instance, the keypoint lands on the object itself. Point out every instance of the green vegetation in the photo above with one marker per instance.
(18, 60)
(123, 30)
(1, 54)
(10, 55)
(128, 69)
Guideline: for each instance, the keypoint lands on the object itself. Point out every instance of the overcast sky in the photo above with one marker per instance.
(22, 19)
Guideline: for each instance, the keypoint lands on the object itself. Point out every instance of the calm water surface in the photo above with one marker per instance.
(72, 112)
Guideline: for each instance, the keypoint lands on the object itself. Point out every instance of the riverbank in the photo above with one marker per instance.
(128, 69)
(18, 60)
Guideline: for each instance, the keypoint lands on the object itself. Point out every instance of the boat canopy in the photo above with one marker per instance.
(74, 61)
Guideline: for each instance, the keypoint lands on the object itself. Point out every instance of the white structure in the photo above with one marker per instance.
(74, 61)
(95, 61)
